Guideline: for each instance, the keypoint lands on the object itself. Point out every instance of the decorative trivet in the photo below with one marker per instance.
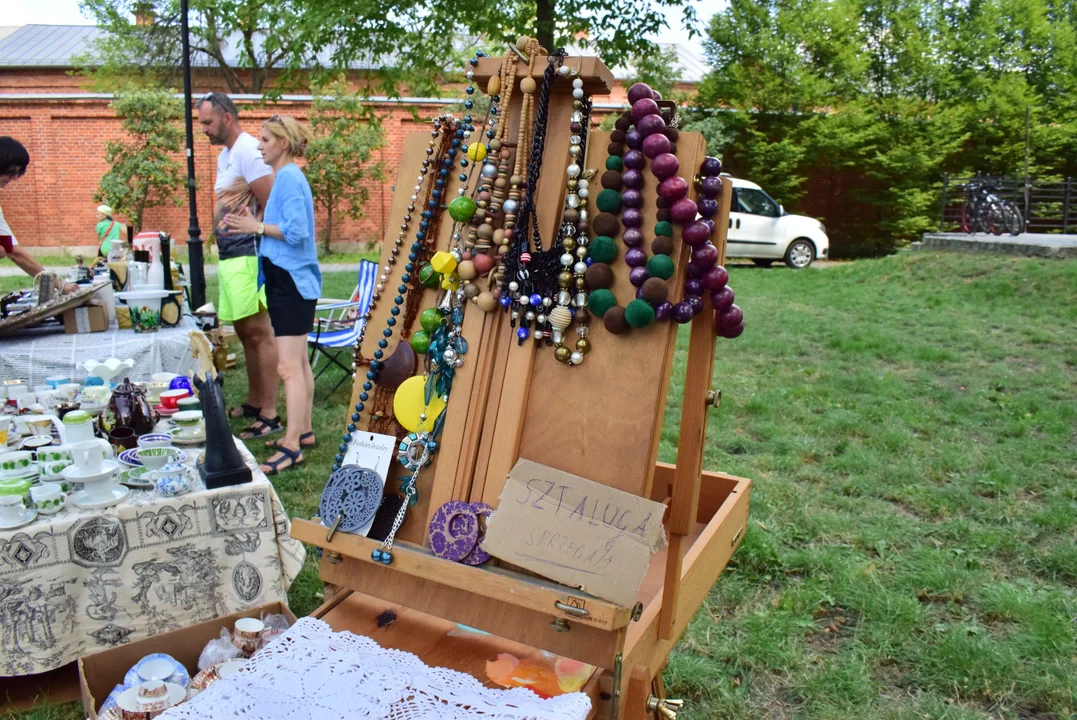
(350, 499)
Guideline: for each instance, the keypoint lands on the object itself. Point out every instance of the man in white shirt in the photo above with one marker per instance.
(13, 162)
(243, 180)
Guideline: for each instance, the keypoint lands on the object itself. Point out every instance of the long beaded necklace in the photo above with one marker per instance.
(529, 266)
(650, 138)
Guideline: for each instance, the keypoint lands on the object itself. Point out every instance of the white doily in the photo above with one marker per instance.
(312, 673)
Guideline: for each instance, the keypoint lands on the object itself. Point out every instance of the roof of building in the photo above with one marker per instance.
(57, 46)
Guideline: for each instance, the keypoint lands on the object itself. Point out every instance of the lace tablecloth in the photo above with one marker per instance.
(82, 581)
(34, 354)
(312, 673)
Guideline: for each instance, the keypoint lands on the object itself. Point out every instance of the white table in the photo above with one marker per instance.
(82, 581)
(34, 354)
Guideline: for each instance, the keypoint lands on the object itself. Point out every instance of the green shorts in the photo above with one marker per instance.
(240, 295)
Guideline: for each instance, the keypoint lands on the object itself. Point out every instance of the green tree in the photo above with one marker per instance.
(408, 44)
(860, 106)
(346, 133)
(143, 170)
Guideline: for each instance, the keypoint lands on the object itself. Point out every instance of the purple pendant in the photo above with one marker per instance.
(454, 531)
(478, 556)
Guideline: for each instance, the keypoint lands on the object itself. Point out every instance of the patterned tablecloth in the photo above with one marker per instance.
(82, 581)
(34, 354)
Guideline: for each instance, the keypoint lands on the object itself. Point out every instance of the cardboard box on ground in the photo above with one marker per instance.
(101, 672)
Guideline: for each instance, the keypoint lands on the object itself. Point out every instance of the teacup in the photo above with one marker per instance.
(188, 421)
(123, 438)
(68, 390)
(40, 425)
(48, 498)
(16, 463)
(155, 458)
(12, 509)
(169, 398)
(171, 480)
(54, 454)
(154, 390)
(14, 387)
(25, 400)
(97, 395)
(249, 628)
(57, 380)
(189, 403)
(88, 455)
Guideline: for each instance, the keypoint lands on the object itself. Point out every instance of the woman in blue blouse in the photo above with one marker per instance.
(293, 281)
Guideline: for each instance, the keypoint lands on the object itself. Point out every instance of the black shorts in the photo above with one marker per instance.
(289, 312)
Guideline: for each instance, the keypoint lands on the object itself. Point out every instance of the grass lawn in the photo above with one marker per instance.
(911, 428)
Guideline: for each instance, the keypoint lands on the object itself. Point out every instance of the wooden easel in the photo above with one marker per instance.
(609, 413)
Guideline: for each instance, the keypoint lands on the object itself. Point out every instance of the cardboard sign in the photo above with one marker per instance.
(575, 531)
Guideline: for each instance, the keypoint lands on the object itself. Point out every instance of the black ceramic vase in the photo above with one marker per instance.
(221, 465)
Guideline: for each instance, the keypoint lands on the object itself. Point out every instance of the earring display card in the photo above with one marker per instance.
(374, 451)
(576, 531)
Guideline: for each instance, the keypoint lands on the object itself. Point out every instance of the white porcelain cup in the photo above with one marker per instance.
(88, 455)
(25, 400)
(96, 395)
(16, 389)
(11, 509)
(68, 390)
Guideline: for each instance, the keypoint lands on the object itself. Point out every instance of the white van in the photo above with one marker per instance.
(761, 230)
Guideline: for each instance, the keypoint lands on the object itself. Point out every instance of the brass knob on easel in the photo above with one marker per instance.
(666, 708)
(334, 557)
(560, 625)
(714, 398)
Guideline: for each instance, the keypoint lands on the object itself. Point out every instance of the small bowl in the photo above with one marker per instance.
(169, 398)
(188, 419)
(155, 458)
(155, 440)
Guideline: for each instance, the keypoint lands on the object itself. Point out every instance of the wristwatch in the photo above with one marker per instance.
(261, 228)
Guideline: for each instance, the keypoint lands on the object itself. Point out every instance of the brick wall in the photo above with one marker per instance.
(53, 205)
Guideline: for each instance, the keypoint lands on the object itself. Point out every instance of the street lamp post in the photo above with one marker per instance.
(194, 233)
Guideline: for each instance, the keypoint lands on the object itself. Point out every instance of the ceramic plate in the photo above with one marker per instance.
(138, 478)
(130, 457)
(165, 412)
(110, 701)
(28, 472)
(82, 500)
(127, 699)
(28, 517)
(183, 439)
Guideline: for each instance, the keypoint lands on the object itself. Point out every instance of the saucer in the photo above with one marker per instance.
(181, 438)
(116, 494)
(130, 457)
(165, 412)
(128, 699)
(74, 473)
(28, 517)
(137, 478)
(27, 472)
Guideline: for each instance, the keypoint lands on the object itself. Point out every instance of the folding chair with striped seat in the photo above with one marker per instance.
(335, 335)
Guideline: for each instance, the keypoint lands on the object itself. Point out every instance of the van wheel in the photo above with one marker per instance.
(762, 263)
(800, 254)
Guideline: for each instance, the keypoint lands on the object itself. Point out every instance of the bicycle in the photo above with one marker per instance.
(985, 211)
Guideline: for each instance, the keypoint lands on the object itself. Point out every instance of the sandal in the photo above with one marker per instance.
(296, 456)
(262, 427)
(313, 443)
(245, 411)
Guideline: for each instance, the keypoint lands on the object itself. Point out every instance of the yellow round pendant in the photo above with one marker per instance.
(409, 403)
